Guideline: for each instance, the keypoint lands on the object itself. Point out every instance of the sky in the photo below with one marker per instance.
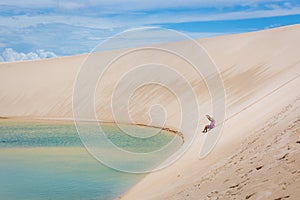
(48, 28)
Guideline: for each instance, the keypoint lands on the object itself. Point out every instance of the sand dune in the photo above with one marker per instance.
(257, 156)
(261, 74)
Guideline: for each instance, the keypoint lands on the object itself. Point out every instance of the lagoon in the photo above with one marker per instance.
(46, 160)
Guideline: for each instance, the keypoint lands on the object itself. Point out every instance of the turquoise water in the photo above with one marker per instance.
(48, 161)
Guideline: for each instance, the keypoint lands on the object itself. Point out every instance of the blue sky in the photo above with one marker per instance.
(47, 28)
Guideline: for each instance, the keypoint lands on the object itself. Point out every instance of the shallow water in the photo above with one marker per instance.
(48, 161)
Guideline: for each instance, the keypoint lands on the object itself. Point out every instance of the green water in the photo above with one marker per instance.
(48, 161)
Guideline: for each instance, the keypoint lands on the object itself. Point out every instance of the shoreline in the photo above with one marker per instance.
(71, 120)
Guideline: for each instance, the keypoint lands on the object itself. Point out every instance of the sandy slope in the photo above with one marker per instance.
(261, 74)
(260, 71)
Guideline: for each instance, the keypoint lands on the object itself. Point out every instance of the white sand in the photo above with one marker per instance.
(261, 73)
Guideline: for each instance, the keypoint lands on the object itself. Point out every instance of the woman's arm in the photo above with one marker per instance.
(208, 117)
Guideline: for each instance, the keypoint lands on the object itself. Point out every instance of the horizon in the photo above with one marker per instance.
(47, 29)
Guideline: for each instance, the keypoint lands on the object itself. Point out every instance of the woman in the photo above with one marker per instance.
(211, 125)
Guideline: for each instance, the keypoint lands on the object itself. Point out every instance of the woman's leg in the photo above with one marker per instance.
(205, 129)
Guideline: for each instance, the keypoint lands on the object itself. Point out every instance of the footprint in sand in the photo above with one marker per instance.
(249, 196)
(259, 167)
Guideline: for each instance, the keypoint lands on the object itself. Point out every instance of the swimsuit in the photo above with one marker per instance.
(212, 124)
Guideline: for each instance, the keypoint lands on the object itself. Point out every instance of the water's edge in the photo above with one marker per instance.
(71, 122)
(171, 130)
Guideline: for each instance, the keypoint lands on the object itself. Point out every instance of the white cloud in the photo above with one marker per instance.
(272, 26)
(45, 54)
(70, 5)
(10, 55)
(141, 20)
(288, 5)
(196, 35)
(74, 26)
(131, 5)
(273, 6)
(23, 21)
